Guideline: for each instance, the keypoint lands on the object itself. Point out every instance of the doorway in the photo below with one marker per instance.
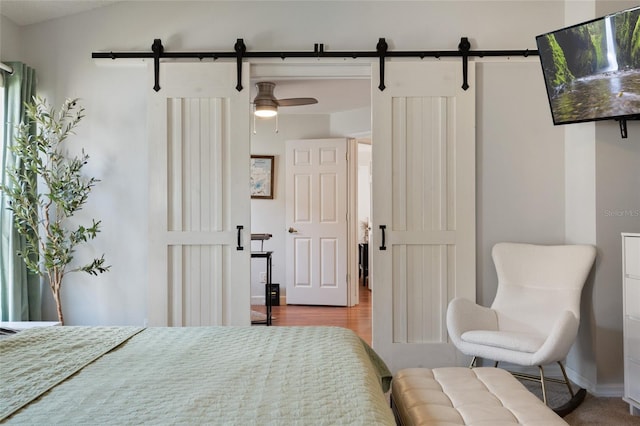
(267, 215)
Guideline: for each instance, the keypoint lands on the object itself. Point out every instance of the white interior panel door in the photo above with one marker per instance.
(316, 213)
(199, 196)
(424, 195)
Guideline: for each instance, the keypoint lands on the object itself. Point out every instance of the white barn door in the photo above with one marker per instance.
(424, 195)
(199, 260)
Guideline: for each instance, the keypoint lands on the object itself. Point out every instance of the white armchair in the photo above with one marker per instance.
(534, 318)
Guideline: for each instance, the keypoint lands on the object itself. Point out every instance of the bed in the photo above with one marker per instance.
(192, 375)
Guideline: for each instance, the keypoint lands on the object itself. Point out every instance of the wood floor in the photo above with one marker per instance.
(356, 318)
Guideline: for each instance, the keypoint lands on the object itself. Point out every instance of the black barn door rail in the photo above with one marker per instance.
(240, 52)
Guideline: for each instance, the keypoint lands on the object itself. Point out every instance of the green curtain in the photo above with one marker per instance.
(20, 290)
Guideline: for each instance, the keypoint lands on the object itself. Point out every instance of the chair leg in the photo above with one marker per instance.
(543, 384)
(473, 362)
(566, 379)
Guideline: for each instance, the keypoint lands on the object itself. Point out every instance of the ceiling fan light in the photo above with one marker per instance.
(266, 111)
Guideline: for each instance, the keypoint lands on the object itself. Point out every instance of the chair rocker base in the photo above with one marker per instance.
(572, 404)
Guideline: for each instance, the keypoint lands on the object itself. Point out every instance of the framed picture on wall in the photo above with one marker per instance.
(262, 176)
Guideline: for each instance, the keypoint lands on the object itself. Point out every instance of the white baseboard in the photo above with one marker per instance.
(610, 390)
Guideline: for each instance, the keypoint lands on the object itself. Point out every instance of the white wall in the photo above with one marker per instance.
(354, 123)
(520, 168)
(9, 41)
(520, 165)
(617, 210)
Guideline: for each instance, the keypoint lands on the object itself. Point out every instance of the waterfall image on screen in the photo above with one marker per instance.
(592, 70)
(612, 60)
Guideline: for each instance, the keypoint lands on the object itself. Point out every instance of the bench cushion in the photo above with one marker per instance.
(483, 396)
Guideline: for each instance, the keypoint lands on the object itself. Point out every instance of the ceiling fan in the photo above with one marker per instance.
(266, 104)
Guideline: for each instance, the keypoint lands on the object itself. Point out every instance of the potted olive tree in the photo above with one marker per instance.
(46, 188)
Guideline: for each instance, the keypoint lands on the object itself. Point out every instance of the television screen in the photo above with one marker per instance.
(592, 70)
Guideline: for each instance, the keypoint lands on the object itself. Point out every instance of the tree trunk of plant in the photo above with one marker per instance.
(56, 282)
(56, 297)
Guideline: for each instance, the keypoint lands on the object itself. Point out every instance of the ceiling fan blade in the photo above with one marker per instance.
(296, 101)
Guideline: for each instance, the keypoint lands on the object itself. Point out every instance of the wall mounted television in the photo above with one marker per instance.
(592, 69)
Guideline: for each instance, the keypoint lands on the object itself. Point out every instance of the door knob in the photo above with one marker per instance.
(293, 230)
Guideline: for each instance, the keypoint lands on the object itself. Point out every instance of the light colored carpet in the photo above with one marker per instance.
(602, 411)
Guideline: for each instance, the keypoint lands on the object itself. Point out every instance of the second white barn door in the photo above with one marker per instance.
(423, 193)
(316, 218)
(199, 204)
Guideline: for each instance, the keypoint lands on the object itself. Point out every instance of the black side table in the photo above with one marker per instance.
(267, 301)
(363, 261)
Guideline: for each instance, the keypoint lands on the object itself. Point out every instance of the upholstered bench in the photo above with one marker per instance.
(464, 396)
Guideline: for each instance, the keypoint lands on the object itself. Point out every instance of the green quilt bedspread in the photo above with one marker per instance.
(196, 375)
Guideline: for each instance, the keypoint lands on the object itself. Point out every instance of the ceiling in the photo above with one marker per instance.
(27, 12)
(334, 95)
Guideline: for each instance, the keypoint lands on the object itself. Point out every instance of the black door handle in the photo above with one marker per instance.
(383, 228)
(239, 228)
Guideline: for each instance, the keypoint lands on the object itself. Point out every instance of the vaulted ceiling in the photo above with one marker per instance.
(27, 12)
